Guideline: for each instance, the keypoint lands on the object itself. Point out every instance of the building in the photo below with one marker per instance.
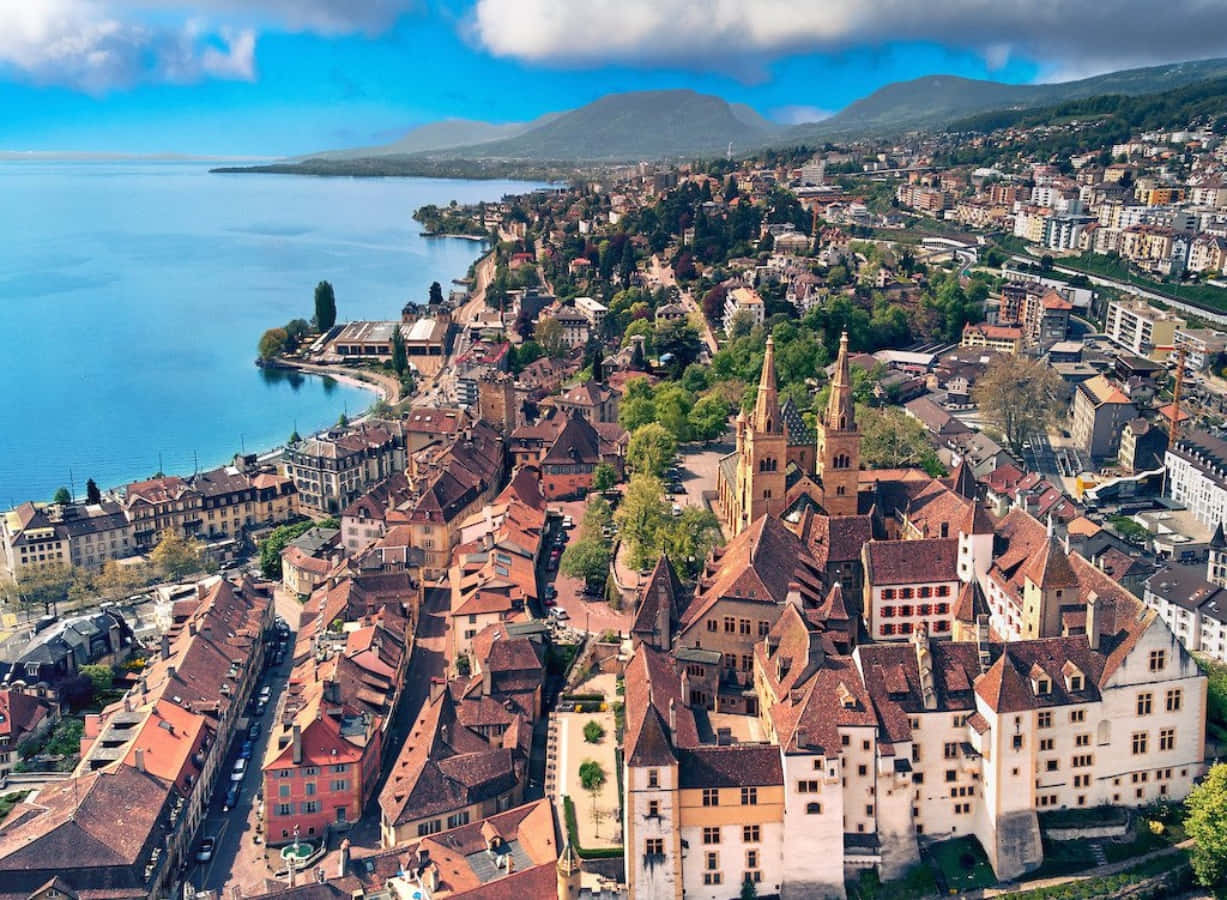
(45, 536)
(1099, 414)
(308, 558)
(1001, 338)
(55, 653)
(1142, 446)
(743, 300)
(1139, 327)
(334, 468)
(1197, 475)
(593, 311)
(1201, 346)
(591, 400)
(910, 585)
(1190, 598)
(25, 715)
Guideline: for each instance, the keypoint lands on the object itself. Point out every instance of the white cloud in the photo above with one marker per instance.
(1105, 34)
(799, 114)
(100, 45)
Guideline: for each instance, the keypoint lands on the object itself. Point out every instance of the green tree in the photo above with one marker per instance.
(688, 538)
(749, 890)
(400, 360)
(593, 731)
(708, 418)
(640, 516)
(62, 497)
(673, 405)
(604, 477)
(635, 412)
(597, 516)
(325, 306)
(44, 587)
(587, 558)
(1206, 824)
(176, 557)
(116, 580)
(1020, 397)
(436, 293)
(592, 777)
(102, 678)
(549, 335)
(92, 494)
(891, 439)
(271, 546)
(651, 449)
(272, 342)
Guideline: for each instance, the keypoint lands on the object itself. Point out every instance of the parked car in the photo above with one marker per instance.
(550, 591)
(205, 852)
(253, 731)
(247, 748)
(559, 614)
(239, 770)
(265, 693)
(232, 798)
(568, 522)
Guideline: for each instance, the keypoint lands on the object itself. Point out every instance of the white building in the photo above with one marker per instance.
(1139, 327)
(592, 310)
(1197, 475)
(743, 300)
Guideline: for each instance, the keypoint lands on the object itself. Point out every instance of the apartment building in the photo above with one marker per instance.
(1197, 475)
(332, 469)
(1139, 327)
(1201, 346)
(37, 536)
(746, 301)
(910, 584)
(1000, 338)
(1099, 413)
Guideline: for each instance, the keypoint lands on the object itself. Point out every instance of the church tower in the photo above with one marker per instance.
(762, 452)
(839, 443)
(568, 867)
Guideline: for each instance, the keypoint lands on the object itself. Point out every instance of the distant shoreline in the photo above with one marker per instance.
(406, 167)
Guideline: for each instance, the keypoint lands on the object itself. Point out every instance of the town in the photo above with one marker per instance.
(840, 522)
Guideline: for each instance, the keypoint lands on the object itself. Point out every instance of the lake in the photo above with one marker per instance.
(132, 297)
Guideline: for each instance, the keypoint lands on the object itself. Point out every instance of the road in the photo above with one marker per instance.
(238, 860)
(663, 275)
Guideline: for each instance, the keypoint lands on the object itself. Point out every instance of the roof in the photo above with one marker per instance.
(730, 767)
(911, 562)
(1099, 390)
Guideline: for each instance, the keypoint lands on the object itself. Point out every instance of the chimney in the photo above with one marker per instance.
(511, 863)
(672, 717)
(662, 617)
(802, 737)
(487, 681)
(140, 759)
(191, 627)
(170, 672)
(794, 596)
(1093, 613)
(343, 859)
(166, 646)
(297, 738)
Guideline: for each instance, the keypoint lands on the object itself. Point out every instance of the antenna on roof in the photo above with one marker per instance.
(195, 463)
(161, 471)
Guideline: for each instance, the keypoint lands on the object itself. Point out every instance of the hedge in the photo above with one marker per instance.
(568, 809)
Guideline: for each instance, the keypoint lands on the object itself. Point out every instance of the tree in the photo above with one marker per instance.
(116, 581)
(673, 405)
(101, 677)
(436, 293)
(587, 558)
(592, 777)
(176, 557)
(44, 587)
(325, 306)
(1020, 396)
(597, 516)
(550, 336)
(1206, 824)
(604, 477)
(271, 546)
(272, 342)
(749, 890)
(92, 494)
(62, 497)
(593, 731)
(708, 418)
(635, 412)
(891, 439)
(651, 449)
(640, 516)
(400, 360)
(688, 538)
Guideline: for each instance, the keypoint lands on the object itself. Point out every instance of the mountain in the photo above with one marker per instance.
(636, 126)
(937, 100)
(434, 136)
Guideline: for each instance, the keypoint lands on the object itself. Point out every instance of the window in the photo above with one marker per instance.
(813, 809)
(1082, 781)
(283, 790)
(1158, 660)
(713, 877)
(1139, 743)
(1167, 738)
(1075, 683)
(1083, 761)
(730, 625)
(1046, 744)
(285, 809)
(862, 770)
(763, 628)
(1044, 719)
(951, 774)
(460, 818)
(1174, 698)
(653, 809)
(844, 741)
(749, 796)
(743, 626)
(1051, 765)
(1144, 704)
(888, 593)
(951, 750)
(809, 787)
(888, 612)
(654, 847)
(1077, 715)
(750, 834)
(653, 778)
(339, 785)
(310, 806)
(711, 796)
(905, 609)
(711, 835)
(310, 788)
(712, 860)
(888, 628)
(713, 625)
(906, 594)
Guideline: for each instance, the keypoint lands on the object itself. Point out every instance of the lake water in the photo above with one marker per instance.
(132, 296)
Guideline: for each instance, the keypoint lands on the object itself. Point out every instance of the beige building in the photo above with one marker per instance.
(1099, 414)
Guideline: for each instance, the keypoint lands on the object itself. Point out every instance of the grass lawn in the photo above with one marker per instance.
(963, 864)
(918, 883)
(1069, 857)
(8, 801)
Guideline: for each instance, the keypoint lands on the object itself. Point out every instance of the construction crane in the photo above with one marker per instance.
(1174, 431)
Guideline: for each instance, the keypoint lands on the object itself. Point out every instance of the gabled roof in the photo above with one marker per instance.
(662, 587)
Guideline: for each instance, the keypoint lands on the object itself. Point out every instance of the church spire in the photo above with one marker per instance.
(767, 419)
(840, 413)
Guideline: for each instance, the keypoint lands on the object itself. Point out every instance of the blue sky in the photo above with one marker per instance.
(273, 77)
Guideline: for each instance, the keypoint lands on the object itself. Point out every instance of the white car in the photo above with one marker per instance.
(559, 613)
(239, 770)
(205, 853)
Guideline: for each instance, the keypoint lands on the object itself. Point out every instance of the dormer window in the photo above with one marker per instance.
(1043, 686)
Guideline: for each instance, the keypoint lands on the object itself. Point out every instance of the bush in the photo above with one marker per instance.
(593, 732)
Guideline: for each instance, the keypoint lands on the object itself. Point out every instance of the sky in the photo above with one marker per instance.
(268, 78)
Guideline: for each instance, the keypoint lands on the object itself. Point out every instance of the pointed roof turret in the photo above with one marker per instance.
(767, 418)
(1050, 567)
(963, 481)
(840, 413)
(977, 520)
(568, 860)
(1219, 541)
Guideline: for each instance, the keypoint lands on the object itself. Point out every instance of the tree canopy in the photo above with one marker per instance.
(1206, 823)
(651, 449)
(325, 306)
(1019, 396)
(176, 556)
